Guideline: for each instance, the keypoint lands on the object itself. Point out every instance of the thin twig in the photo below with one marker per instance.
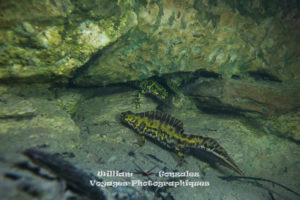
(259, 179)
(271, 195)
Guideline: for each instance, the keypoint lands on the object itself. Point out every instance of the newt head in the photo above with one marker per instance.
(153, 88)
(128, 118)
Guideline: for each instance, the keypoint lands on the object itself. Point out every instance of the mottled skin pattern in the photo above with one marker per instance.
(168, 132)
(152, 88)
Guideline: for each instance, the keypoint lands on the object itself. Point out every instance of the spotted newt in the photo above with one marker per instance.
(152, 88)
(168, 132)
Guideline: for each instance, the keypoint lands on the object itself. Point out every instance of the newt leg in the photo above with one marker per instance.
(137, 100)
(141, 141)
(181, 157)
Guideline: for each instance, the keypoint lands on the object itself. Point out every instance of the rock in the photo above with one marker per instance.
(95, 134)
(286, 125)
(15, 107)
(176, 36)
(3, 89)
(101, 42)
(31, 114)
(101, 112)
(269, 106)
(265, 98)
(69, 100)
(37, 46)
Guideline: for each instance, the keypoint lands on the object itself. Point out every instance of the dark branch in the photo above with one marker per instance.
(259, 179)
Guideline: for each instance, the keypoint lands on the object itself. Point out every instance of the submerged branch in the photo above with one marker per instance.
(259, 179)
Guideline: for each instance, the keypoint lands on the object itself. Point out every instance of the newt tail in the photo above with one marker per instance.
(211, 149)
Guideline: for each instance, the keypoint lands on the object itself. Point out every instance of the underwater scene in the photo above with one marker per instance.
(150, 100)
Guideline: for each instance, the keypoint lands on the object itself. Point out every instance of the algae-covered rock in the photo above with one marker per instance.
(100, 42)
(31, 114)
(3, 89)
(268, 106)
(41, 40)
(245, 95)
(222, 37)
(287, 125)
(15, 107)
(69, 101)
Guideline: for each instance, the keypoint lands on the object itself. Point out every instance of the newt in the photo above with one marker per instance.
(168, 132)
(152, 88)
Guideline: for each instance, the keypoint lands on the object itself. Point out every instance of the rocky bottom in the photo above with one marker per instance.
(82, 127)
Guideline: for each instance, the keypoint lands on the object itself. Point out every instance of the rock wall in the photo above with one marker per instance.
(45, 41)
(100, 42)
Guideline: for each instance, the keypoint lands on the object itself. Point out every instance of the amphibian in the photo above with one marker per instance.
(168, 132)
(152, 88)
